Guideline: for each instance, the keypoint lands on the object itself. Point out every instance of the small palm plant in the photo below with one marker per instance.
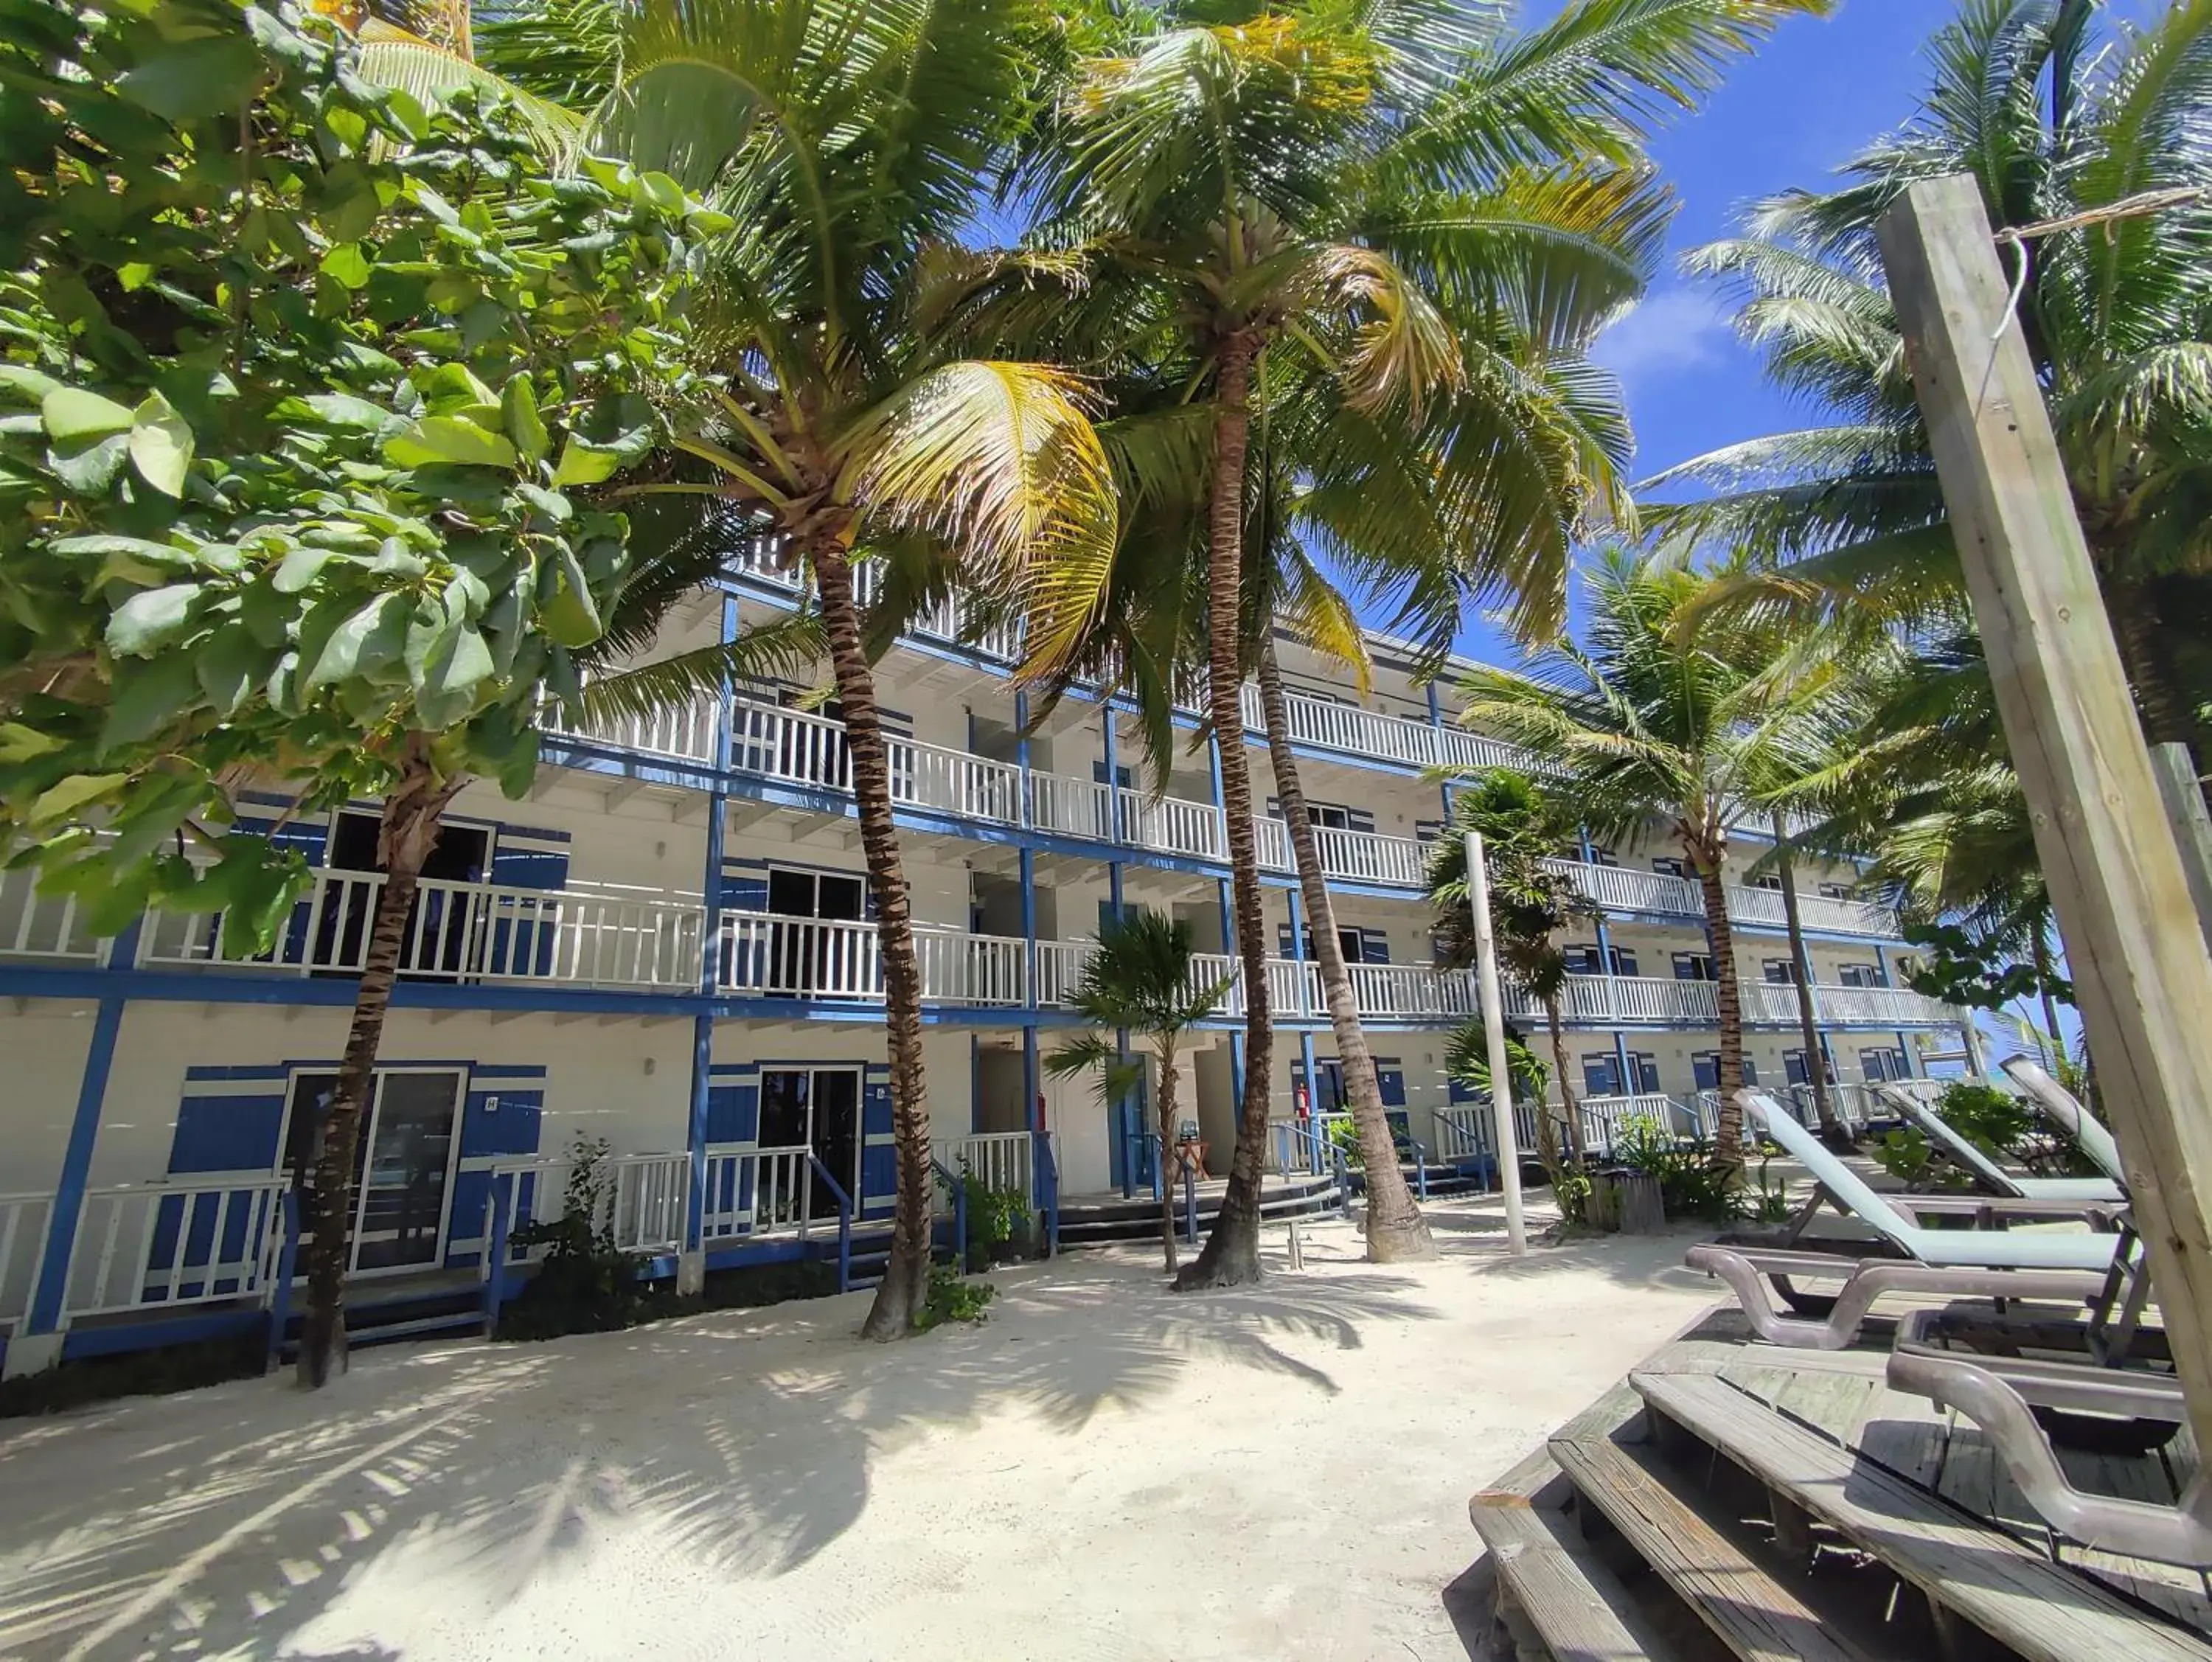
(1145, 977)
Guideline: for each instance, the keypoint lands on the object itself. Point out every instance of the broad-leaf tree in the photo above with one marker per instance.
(1144, 978)
(307, 493)
(1669, 710)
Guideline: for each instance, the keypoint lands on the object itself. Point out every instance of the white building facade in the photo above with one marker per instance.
(667, 945)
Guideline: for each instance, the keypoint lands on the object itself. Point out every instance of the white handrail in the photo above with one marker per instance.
(760, 1191)
(43, 927)
(997, 1160)
(768, 953)
(140, 1247)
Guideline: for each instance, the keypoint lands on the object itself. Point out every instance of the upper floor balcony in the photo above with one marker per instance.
(496, 934)
(809, 752)
(1620, 889)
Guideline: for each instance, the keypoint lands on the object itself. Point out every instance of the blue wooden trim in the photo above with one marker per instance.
(975, 1082)
(1033, 1081)
(45, 1312)
(1312, 1076)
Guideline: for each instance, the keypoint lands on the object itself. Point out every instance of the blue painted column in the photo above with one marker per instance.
(710, 958)
(1881, 969)
(52, 1285)
(1124, 1128)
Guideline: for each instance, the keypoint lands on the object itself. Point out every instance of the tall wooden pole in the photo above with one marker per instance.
(2142, 975)
(1493, 1024)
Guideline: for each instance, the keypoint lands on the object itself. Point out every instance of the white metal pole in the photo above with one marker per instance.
(1493, 1025)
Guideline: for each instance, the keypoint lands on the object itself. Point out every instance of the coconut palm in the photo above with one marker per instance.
(2053, 117)
(1670, 710)
(1246, 188)
(1522, 826)
(1142, 979)
(850, 140)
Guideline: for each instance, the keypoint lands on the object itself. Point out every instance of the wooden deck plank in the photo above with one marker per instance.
(2045, 1612)
(1576, 1606)
(1745, 1607)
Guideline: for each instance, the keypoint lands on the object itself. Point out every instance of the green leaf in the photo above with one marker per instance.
(25, 383)
(150, 619)
(211, 76)
(74, 416)
(583, 462)
(299, 569)
(436, 438)
(20, 744)
(551, 503)
(229, 664)
(372, 637)
(162, 445)
(148, 696)
(74, 795)
(519, 407)
(337, 409)
(571, 616)
(91, 472)
(346, 265)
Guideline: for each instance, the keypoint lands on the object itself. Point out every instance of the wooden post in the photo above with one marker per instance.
(2192, 827)
(1493, 1021)
(2144, 979)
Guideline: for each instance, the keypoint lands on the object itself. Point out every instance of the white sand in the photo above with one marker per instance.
(1102, 1471)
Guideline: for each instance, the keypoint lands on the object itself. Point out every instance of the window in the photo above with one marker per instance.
(1794, 1069)
(1858, 975)
(440, 924)
(804, 957)
(1693, 966)
(1643, 1072)
(1582, 958)
(1780, 971)
(403, 1163)
(1603, 857)
(1881, 1066)
(1836, 891)
(1667, 865)
(1624, 960)
(1601, 1074)
(1706, 1066)
(1768, 881)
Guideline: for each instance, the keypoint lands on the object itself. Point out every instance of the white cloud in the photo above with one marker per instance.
(1667, 332)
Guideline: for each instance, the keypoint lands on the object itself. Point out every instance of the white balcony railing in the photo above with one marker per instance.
(474, 932)
(764, 954)
(763, 1192)
(42, 926)
(642, 1204)
(997, 1160)
(169, 1244)
(1619, 888)
(23, 1219)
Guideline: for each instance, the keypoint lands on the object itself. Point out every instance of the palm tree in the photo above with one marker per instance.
(850, 140)
(1255, 190)
(1523, 825)
(1143, 978)
(2053, 120)
(1674, 711)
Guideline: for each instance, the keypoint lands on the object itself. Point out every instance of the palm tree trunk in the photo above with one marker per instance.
(1569, 1111)
(409, 826)
(1168, 1183)
(2042, 990)
(1395, 1229)
(1801, 963)
(905, 1287)
(2144, 619)
(1231, 1254)
(1728, 995)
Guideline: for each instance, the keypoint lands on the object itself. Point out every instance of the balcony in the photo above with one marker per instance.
(1637, 1000)
(796, 748)
(1620, 889)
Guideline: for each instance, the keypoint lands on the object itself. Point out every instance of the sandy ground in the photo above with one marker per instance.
(1102, 1471)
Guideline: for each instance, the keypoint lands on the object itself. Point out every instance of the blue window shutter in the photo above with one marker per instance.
(1458, 1091)
(1284, 946)
(745, 892)
(510, 1129)
(1705, 1066)
(1391, 1082)
(876, 1108)
(732, 1113)
(1374, 947)
(529, 866)
(227, 1133)
(1361, 819)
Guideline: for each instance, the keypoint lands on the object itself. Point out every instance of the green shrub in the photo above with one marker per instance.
(1997, 1121)
(585, 1283)
(999, 1219)
(953, 1299)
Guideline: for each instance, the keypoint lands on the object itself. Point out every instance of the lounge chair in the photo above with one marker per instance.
(2056, 1104)
(1963, 1151)
(1961, 1262)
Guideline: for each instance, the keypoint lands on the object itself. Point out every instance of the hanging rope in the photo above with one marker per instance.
(2128, 207)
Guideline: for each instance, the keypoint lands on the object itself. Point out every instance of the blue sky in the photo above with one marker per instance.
(1816, 92)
